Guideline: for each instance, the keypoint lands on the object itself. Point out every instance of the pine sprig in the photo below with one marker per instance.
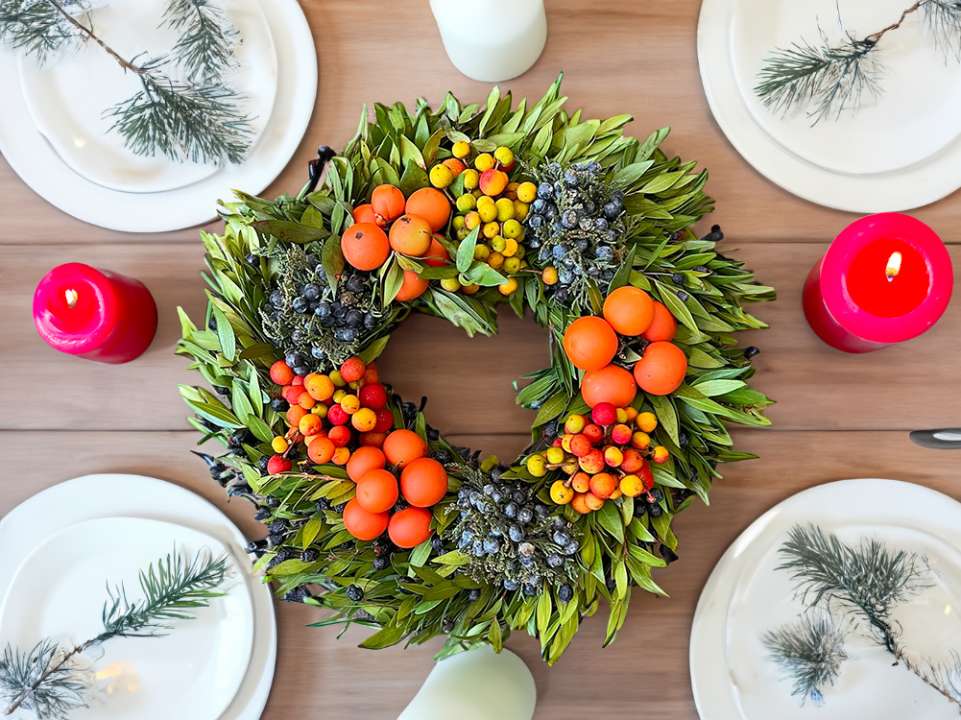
(37, 27)
(207, 39)
(810, 652)
(49, 679)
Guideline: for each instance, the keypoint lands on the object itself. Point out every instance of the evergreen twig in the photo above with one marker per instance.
(37, 27)
(207, 40)
(810, 651)
(48, 680)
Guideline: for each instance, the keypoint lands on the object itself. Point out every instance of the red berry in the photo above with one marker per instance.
(580, 445)
(385, 421)
(337, 415)
(292, 393)
(353, 369)
(278, 464)
(604, 413)
(339, 435)
(593, 432)
(280, 373)
(298, 380)
(373, 396)
(646, 476)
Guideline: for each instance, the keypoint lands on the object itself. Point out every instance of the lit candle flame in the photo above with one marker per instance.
(893, 267)
(71, 296)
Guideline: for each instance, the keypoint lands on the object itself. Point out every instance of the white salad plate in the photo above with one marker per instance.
(92, 497)
(59, 591)
(898, 151)
(732, 674)
(40, 166)
(68, 95)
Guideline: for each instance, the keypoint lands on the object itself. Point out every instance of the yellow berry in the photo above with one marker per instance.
(512, 265)
(526, 192)
(641, 440)
(484, 161)
(555, 455)
(472, 220)
(471, 178)
(504, 155)
(646, 421)
(350, 404)
(496, 260)
(661, 454)
(486, 208)
(364, 420)
(621, 415)
(339, 395)
(506, 288)
(536, 465)
(560, 493)
(320, 410)
(505, 209)
(521, 209)
(513, 229)
(279, 444)
(466, 202)
(491, 229)
(441, 176)
(631, 485)
(450, 284)
(336, 378)
(461, 233)
(481, 252)
(510, 247)
(459, 222)
(498, 244)
(549, 276)
(461, 149)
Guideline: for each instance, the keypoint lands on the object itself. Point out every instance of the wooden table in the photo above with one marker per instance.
(838, 416)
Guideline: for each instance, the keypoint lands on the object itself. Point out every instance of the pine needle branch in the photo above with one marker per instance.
(943, 18)
(207, 40)
(810, 652)
(48, 679)
(37, 27)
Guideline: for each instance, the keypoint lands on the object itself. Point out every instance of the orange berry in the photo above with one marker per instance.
(363, 460)
(341, 456)
(280, 373)
(579, 503)
(593, 502)
(632, 462)
(661, 454)
(339, 435)
(493, 182)
(640, 440)
(602, 485)
(581, 482)
(320, 450)
(629, 310)
(365, 214)
(319, 386)
(310, 425)
(362, 524)
(294, 414)
(423, 482)
(352, 369)
(365, 246)
(409, 527)
(611, 384)
(662, 368)
(372, 439)
(377, 491)
(306, 401)
(402, 446)
(590, 343)
(454, 165)
(430, 204)
(412, 287)
(663, 326)
(388, 202)
(410, 235)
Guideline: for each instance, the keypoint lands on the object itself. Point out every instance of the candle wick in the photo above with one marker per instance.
(893, 266)
(71, 296)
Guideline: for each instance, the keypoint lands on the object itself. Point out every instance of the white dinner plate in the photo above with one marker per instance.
(67, 96)
(732, 675)
(113, 495)
(36, 162)
(899, 153)
(59, 591)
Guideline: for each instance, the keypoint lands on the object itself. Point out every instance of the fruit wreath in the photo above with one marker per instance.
(369, 512)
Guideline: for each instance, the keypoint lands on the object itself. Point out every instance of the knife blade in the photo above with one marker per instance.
(940, 439)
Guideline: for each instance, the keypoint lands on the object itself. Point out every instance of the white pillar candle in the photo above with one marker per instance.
(475, 685)
(491, 40)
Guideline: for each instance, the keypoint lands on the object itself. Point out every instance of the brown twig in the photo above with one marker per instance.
(874, 38)
(89, 33)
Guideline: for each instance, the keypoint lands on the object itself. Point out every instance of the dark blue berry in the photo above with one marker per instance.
(545, 190)
(299, 305)
(311, 291)
(565, 593)
(355, 593)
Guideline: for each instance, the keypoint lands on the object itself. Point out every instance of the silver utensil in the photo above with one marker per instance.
(941, 439)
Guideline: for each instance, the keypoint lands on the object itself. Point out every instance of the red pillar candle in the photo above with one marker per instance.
(95, 314)
(885, 279)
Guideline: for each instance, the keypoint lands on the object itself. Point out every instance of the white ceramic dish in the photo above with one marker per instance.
(67, 96)
(731, 675)
(40, 167)
(105, 496)
(59, 591)
(851, 166)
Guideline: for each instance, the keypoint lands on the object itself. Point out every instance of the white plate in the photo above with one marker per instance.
(925, 181)
(731, 675)
(68, 95)
(59, 591)
(39, 166)
(104, 496)
(917, 115)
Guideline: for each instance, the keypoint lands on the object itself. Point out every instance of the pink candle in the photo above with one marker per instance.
(95, 314)
(885, 279)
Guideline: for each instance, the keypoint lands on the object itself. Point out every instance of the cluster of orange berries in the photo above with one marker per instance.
(407, 226)
(605, 456)
(591, 343)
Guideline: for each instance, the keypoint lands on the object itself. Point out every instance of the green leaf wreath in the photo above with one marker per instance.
(573, 563)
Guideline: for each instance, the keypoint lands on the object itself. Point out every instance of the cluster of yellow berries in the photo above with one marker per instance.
(604, 456)
(491, 202)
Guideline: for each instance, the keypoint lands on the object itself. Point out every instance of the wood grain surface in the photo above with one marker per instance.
(837, 416)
